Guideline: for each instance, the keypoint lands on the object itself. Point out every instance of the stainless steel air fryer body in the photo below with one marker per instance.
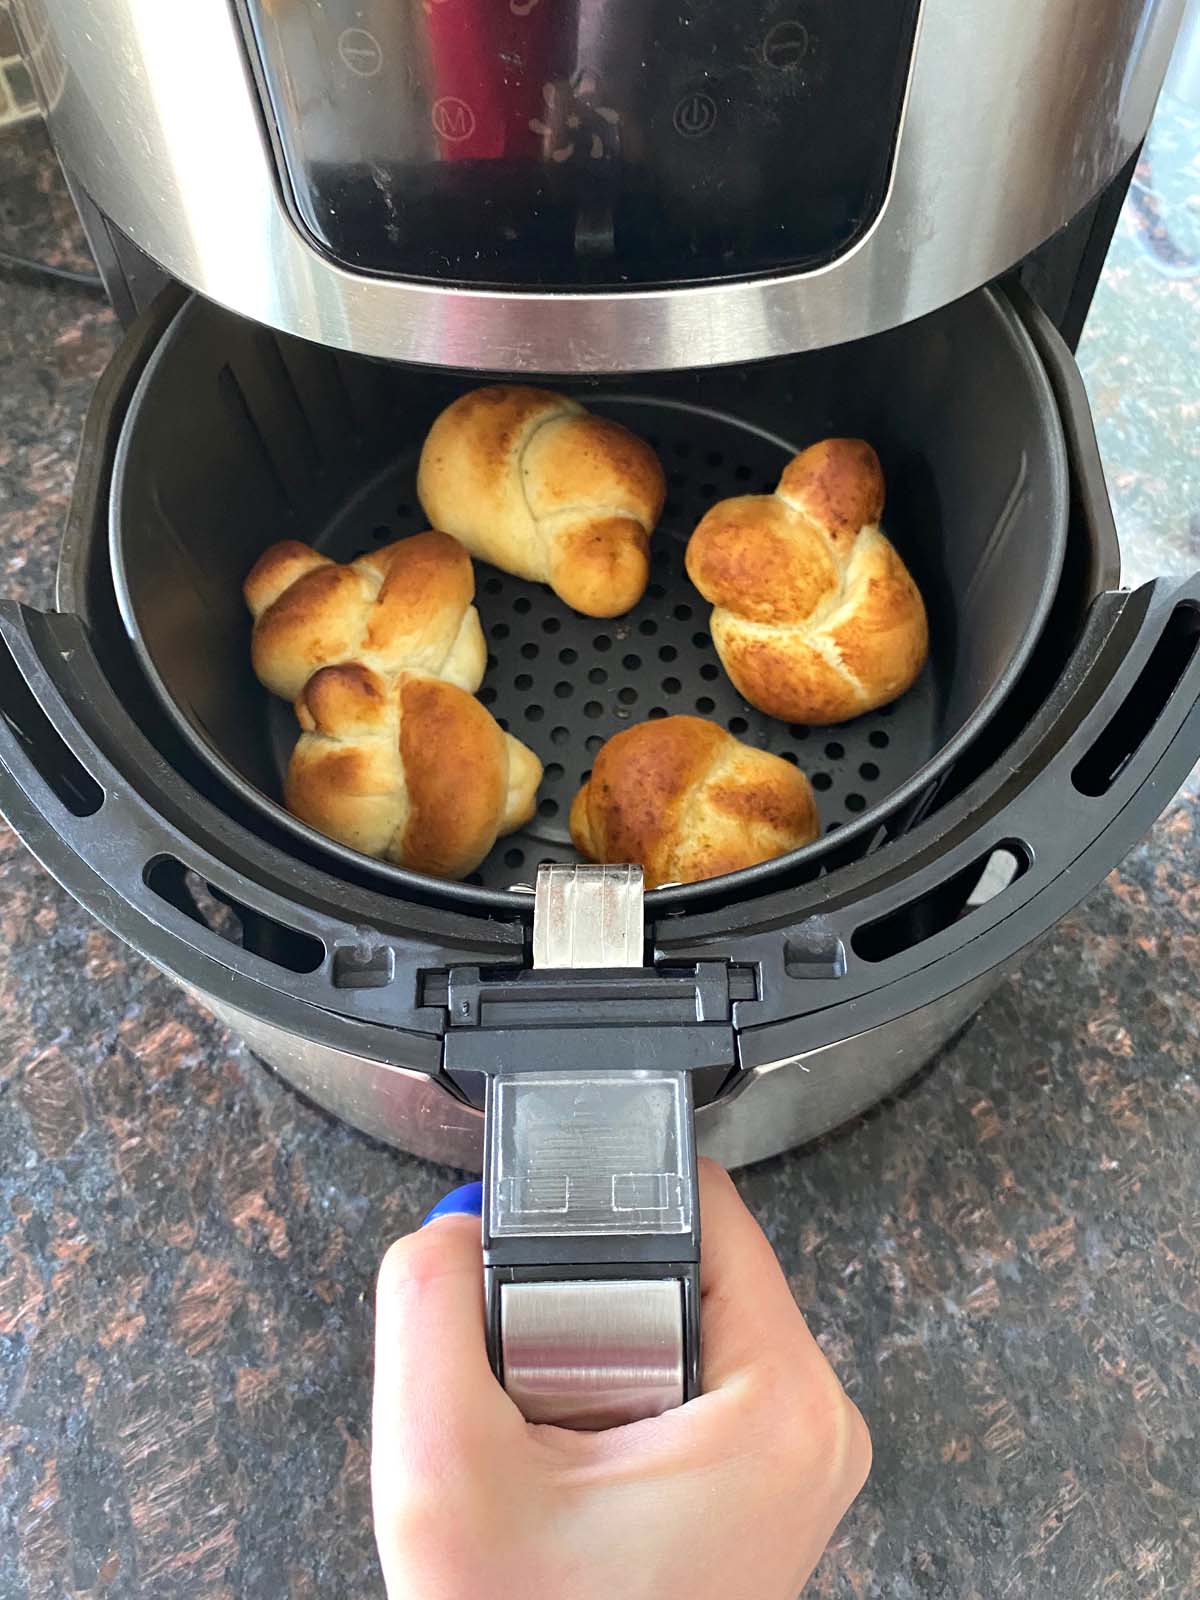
(595, 187)
(800, 995)
(592, 188)
(605, 185)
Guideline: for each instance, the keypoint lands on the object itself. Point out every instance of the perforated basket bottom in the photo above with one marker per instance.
(565, 683)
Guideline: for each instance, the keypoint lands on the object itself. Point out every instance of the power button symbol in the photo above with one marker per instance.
(695, 115)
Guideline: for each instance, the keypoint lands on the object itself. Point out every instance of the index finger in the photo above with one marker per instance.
(437, 1404)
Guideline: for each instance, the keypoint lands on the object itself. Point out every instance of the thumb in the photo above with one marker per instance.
(437, 1405)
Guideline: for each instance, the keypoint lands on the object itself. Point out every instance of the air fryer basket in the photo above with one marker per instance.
(237, 437)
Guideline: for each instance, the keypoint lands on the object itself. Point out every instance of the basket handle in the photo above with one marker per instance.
(591, 1219)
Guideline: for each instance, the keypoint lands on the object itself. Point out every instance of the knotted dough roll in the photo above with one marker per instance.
(409, 769)
(404, 608)
(685, 800)
(816, 618)
(533, 483)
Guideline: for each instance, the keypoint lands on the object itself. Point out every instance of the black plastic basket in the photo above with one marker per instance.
(237, 436)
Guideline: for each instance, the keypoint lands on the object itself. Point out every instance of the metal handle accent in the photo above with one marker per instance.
(591, 1220)
(593, 1354)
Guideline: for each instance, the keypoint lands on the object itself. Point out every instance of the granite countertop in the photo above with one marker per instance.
(1003, 1263)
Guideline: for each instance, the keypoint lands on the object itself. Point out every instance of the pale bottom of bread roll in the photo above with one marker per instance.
(685, 800)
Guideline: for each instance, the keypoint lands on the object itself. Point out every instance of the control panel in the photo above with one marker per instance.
(528, 143)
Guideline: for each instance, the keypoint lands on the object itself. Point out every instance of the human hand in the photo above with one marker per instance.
(731, 1497)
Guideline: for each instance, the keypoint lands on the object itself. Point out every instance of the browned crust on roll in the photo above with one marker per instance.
(532, 482)
(411, 769)
(639, 780)
(601, 568)
(781, 678)
(315, 623)
(744, 556)
(341, 779)
(582, 461)
(685, 800)
(278, 567)
(489, 426)
(816, 618)
(421, 576)
(456, 767)
(403, 607)
(838, 483)
(343, 700)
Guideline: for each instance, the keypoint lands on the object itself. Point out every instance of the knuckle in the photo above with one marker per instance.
(858, 1451)
(814, 1426)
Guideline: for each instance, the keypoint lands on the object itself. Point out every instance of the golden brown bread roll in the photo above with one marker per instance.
(816, 617)
(531, 482)
(408, 768)
(685, 800)
(405, 607)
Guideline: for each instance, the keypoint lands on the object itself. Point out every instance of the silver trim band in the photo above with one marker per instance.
(1017, 113)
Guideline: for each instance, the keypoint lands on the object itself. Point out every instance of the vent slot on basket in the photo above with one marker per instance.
(941, 907)
(239, 924)
(57, 764)
(1100, 768)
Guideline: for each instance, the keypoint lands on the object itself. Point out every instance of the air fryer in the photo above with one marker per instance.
(737, 237)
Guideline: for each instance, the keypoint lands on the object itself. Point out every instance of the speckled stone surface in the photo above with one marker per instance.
(1004, 1263)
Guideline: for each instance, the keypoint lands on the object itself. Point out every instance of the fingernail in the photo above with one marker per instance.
(466, 1201)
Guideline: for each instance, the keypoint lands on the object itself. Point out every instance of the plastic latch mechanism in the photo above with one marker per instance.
(591, 1216)
(588, 917)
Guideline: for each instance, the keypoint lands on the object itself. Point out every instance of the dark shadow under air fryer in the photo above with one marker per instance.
(237, 437)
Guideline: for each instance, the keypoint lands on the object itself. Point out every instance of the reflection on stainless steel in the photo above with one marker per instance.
(1018, 111)
(773, 1107)
(595, 1354)
(396, 1104)
(785, 1103)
